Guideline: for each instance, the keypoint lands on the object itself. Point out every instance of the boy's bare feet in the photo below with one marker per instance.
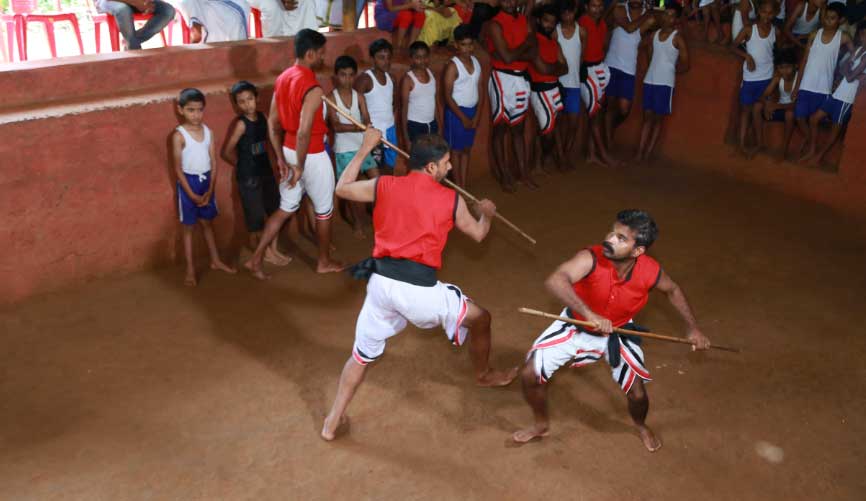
(219, 265)
(531, 433)
(256, 270)
(330, 266)
(649, 439)
(189, 280)
(493, 378)
(276, 259)
(529, 182)
(331, 430)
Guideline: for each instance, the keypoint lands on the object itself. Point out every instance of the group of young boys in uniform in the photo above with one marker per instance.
(553, 63)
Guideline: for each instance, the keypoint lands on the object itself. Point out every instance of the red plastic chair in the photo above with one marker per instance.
(14, 23)
(114, 33)
(23, 12)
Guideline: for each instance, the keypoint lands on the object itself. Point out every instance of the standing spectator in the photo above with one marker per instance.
(803, 21)
(463, 92)
(123, 11)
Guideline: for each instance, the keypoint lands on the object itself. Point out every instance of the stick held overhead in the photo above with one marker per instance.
(456, 188)
(648, 335)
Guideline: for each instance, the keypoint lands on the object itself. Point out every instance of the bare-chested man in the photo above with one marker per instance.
(608, 285)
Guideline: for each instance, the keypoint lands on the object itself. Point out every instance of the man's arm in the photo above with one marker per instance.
(477, 229)
(336, 124)
(500, 48)
(362, 105)
(679, 301)
(205, 199)
(275, 134)
(312, 105)
(853, 72)
(795, 92)
(792, 17)
(348, 186)
(363, 84)
(683, 63)
(229, 152)
(405, 89)
(559, 283)
(742, 36)
(177, 144)
(482, 96)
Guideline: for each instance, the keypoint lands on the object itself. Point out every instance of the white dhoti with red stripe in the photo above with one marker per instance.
(564, 344)
(509, 96)
(391, 304)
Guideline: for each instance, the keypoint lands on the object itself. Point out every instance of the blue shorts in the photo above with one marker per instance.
(459, 137)
(777, 116)
(416, 129)
(384, 156)
(839, 111)
(621, 85)
(808, 102)
(658, 98)
(750, 92)
(188, 211)
(572, 100)
(342, 160)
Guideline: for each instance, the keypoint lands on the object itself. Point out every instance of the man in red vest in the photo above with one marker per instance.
(297, 129)
(607, 285)
(544, 72)
(412, 216)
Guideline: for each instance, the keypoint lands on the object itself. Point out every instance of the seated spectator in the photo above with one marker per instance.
(285, 18)
(123, 10)
(404, 18)
(440, 21)
(777, 101)
(215, 20)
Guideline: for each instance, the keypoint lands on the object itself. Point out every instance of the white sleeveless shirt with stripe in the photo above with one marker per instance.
(380, 102)
(622, 52)
(345, 142)
(195, 157)
(663, 67)
(818, 73)
(571, 49)
(465, 89)
(761, 50)
(422, 99)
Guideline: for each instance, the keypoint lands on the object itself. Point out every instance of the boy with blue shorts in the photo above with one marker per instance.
(378, 89)
(463, 93)
(755, 45)
(669, 55)
(194, 156)
(838, 106)
(571, 38)
(819, 65)
(776, 103)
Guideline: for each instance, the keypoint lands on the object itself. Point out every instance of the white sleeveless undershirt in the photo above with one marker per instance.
(380, 102)
(571, 49)
(195, 157)
(847, 91)
(663, 67)
(761, 50)
(803, 26)
(786, 97)
(818, 73)
(422, 99)
(345, 142)
(465, 89)
(622, 53)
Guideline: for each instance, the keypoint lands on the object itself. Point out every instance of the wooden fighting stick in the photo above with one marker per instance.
(629, 332)
(456, 188)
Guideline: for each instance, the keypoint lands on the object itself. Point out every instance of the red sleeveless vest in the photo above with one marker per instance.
(412, 216)
(514, 32)
(617, 299)
(548, 51)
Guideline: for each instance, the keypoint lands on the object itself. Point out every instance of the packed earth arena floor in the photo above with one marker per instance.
(137, 387)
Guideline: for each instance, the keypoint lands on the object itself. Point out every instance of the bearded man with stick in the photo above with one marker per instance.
(607, 285)
(412, 217)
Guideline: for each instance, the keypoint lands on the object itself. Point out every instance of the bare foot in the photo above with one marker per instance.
(219, 265)
(508, 186)
(529, 183)
(597, 161)
(494, 378)
(649, 439)
(330, 266)
(190, 280)
(807, 158)
(331, 430)
(275, 259)
(256, 270)
(531, 433)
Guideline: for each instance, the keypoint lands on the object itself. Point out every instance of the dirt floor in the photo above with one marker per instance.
(136, 387)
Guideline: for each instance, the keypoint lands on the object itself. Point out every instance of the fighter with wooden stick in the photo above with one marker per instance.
(606, 284)
(412, 217)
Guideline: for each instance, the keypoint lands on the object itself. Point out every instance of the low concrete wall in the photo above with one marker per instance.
(86, 187)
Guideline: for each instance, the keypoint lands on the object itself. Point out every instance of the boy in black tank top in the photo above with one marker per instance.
(247, 149)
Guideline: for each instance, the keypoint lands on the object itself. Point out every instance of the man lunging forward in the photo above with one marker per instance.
(608, 285)
(412, 216)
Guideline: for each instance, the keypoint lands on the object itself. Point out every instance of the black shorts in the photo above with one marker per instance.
(260, 198)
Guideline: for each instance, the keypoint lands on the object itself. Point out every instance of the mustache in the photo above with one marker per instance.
(607, 246)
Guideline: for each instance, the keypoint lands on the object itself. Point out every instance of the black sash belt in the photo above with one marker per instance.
(403, 270)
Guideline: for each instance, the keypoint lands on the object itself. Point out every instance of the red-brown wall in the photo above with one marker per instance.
(86, 187)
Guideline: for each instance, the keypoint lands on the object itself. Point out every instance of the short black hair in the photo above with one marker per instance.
(546, 9)
(567, 6)
(786, 55)
(418, 46)
(838, 8)
(243, 86)
(674, 5)
(642, 224)
(379, 45)
(190, 95)
(344, 62)
(427, 148)
(462, 32)
(307, 40)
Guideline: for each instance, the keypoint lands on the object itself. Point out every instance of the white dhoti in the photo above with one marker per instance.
(221, 20)
(279, 22)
